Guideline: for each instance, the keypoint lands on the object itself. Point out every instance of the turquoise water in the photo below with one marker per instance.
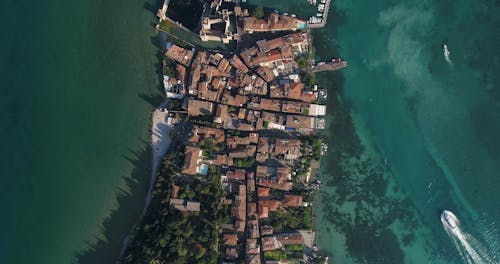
(203, 169)
(77, 83)
(410, 133)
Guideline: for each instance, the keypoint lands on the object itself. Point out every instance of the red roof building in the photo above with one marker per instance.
(262, 192)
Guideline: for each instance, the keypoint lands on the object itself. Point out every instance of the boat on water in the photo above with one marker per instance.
(446, 52)
(449, 219)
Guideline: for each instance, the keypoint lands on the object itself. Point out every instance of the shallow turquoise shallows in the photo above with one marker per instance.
(78, 80)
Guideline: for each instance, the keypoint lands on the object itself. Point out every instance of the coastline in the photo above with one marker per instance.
(74, 183)
(307, 136)
(160, 144)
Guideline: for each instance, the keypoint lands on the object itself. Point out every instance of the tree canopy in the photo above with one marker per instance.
(258, 12)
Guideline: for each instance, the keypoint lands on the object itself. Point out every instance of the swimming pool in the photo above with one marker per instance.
(301, 25)
(204, 169)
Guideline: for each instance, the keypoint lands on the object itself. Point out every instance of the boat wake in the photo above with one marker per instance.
(446, 53)
(470, 249)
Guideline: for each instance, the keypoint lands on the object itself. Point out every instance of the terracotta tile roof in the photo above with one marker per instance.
(201, 58)
(233, 142)
(262, 192)
(195, 77)
(181, 73)
(230, 239)
(275, 43)
(239, 225)
(224, 66)
(217, 83)
(265, 73)
(251, 209)
(246, 81)
(296, 38)
(286, 53)
(252, 246)
(250, 150)
(237, 100)
(200, 108)
(180, 55)
(254, 137)
(192, 155)
(274, 177)
(248, 54)
(263, 145)
(295, 107)
(290, 238)
(309, 96)
(236, 174)
(242, 113)
(239, 212)
(273, 22)
(267, 104)
(238, 64)
(220, 160)
(270, 243)
(201, 132)
(221, 113)
(272, 56)
(287, 147)
(297, 121)
(263, 212)
(295, 91)
(175, 191)
(250, 182)
(292, 200)
(272, 205)
(212, 71)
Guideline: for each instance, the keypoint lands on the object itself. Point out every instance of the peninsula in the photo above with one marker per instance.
(237, 183)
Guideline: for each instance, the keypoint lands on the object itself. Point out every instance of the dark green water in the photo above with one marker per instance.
(77, 83)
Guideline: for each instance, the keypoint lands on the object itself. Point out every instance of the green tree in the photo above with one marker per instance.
(302, 62)
(258, 12)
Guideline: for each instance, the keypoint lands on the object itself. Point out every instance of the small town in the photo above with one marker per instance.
(253, 119)
(246, 133)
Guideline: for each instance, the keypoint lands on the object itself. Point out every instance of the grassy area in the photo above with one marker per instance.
(178, 32)
(293, 218)
(295, 248)
(244, 163)
(303, 61)
(275, 255)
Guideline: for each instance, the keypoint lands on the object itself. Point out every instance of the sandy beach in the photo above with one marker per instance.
(160, 142)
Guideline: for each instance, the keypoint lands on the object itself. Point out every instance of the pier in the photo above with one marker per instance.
(319, 22)
(335, 64)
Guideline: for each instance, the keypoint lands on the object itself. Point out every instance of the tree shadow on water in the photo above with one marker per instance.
(153, 99)
(131, 203)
